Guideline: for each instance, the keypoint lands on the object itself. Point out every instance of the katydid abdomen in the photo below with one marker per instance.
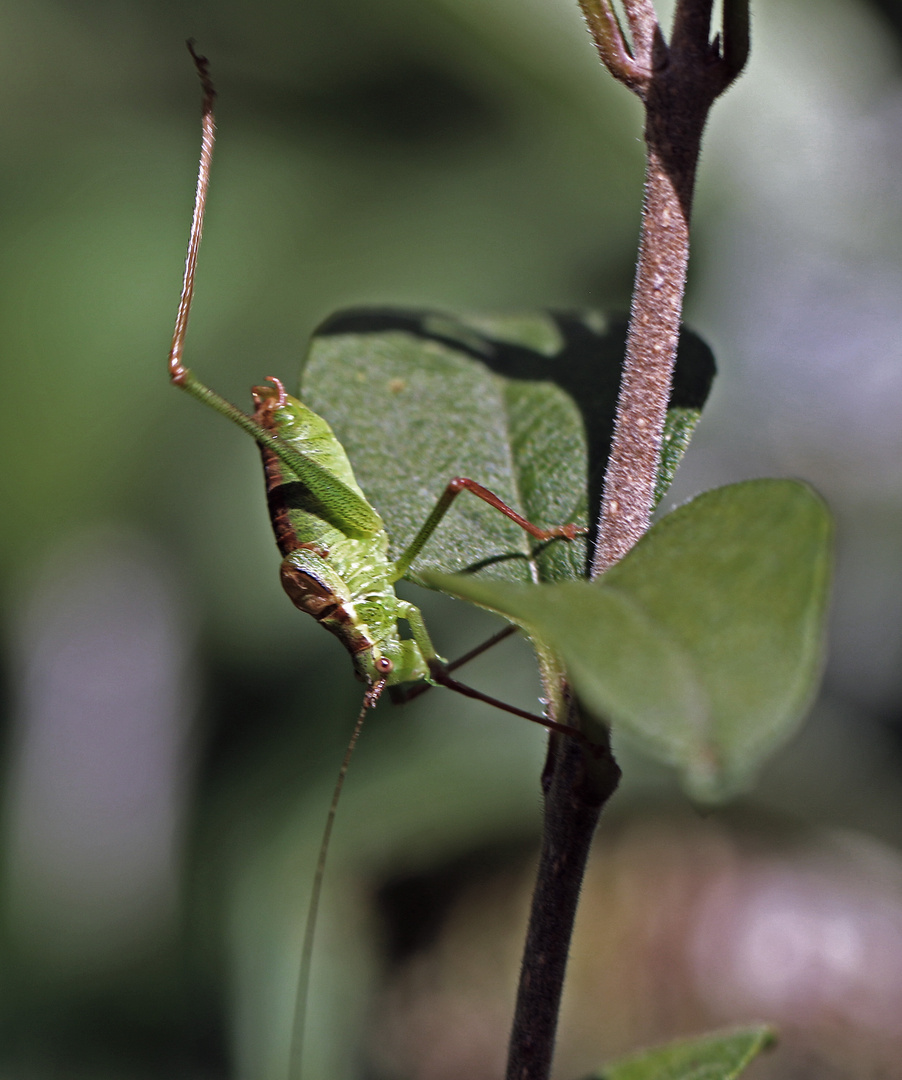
(345, 583)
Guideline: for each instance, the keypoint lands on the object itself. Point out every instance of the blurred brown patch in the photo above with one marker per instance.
(685, 925)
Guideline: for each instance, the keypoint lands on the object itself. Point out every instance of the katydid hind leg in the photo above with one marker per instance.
(356, 516)
(177, 370)
(443, 505)
(179, 374)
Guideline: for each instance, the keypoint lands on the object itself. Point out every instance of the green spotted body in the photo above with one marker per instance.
(345, 582)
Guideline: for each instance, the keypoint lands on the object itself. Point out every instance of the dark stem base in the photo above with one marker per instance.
(576, 788)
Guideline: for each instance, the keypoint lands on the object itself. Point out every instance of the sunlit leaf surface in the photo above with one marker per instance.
(705, 642)
(524, 404)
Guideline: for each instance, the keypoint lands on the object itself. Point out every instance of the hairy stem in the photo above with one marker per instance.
(629, 486)
(678, 85)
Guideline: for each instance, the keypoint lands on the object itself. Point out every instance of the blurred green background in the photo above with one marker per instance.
(172, 726)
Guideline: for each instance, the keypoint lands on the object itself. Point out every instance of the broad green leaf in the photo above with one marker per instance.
(522, 403)
(705, 642)
(739, 579)
(718, 1056)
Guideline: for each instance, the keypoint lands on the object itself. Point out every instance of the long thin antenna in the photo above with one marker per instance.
(176, 368)
(296, 1052)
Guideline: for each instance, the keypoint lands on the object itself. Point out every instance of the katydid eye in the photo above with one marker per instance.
(384, 665)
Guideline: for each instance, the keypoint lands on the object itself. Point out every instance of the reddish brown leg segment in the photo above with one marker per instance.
(463, 483)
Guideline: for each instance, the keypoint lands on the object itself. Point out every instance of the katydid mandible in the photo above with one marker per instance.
(335, 563)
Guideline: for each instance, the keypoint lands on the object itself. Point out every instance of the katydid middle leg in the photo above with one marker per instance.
(454, 488)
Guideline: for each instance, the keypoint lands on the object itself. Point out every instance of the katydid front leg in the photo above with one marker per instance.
(439, 673)
(355, 515)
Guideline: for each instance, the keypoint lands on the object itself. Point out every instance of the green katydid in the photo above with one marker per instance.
(334, 545)
(335, 563)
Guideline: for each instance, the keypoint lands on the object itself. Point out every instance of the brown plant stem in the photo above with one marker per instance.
(677, 83)
(576, 787)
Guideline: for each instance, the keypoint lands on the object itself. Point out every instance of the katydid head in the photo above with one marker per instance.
(394, 660)
(288, 418)
(269, 398)
(367, 626)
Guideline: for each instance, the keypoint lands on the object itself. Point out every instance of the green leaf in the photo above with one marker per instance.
(705, 642)
(524, 404)
(679, 425)
(719, 1056)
